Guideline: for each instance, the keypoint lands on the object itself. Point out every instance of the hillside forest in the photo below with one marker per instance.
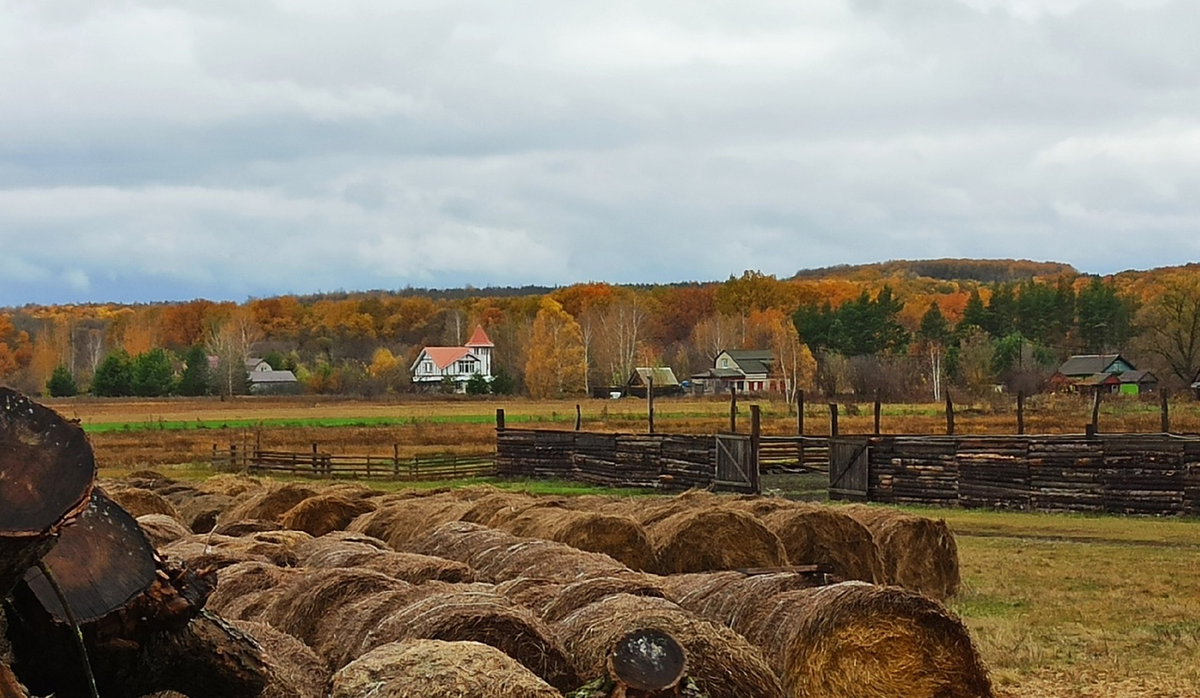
(905, 329)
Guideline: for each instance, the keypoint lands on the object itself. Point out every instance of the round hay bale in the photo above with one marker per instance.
(342, 639)
(437, 669)
(502, 505)
(409, 567)
(723, 662)
(240, 588)
(916, 553)
(497, 556)
(339, 539)
(533, 593)
(300, 605)
(148, 475)
(270, 505)
(484, 617)
(819, 535)
(714, 539)
(238, 529)
(139, 502)
(649, 511)
(858, 639)
(206, 551)
(200, 512)
(324, 513)
(295, 670)
(574, 596)
(162, 529)
(620, 537)
(398, 523)
(231, 485)
(724, 597)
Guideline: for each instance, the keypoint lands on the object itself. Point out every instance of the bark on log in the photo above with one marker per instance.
(46, 475)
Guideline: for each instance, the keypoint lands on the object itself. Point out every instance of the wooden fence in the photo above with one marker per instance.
(792, 453)
(1157, 474)
(329, 465)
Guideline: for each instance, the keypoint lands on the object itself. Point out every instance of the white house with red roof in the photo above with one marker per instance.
(436, 364)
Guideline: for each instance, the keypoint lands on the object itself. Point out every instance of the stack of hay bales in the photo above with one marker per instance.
(433, 669)
(917, 553)
(269, 505)
(325, 513)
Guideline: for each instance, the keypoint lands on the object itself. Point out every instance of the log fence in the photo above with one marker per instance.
(358, 467)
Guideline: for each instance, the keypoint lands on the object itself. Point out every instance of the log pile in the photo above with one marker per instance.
(993, 473)
(914, 470)
(1065, 474)
(1143, 475)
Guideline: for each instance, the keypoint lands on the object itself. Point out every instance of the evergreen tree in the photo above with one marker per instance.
(1104, 317)
(477, 385)
(153, 375)
(197, 374)
(62, 383)
(502, 383)
(934, 327)
(974, 315)
(1002, 311)
(114, 376)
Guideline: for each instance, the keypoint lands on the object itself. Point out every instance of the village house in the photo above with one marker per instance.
(746, 370)
(663, 378)
(1105, 373)
(435, 365)
(261, 379)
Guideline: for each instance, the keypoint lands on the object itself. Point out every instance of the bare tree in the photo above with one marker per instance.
(622, 325)
(1171, 326)
(231, 342)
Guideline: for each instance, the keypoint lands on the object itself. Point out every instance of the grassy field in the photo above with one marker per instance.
(1061, 605)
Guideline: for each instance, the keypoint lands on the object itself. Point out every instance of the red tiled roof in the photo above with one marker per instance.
(480, 338)
(444, 356)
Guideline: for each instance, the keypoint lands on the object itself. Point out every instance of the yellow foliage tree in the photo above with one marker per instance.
(556, 364)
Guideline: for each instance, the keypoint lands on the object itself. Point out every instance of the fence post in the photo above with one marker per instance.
(650, 401)
(1095, 425)
(878, 411)
(755, 441)
(578, 417)
(799, 413)
(1166, 412)
(233, 458)
(833, 425)
(733, 408)
(213, 461)
(499, 419)
(395, 461)
(315, 465)
(1020, 412)
(949, 414)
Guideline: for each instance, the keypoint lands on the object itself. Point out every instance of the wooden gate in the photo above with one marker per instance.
(849, 469)
(737, 464)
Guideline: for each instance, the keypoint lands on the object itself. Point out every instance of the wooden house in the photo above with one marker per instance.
(664, 380)
(1108, 373)
(435, 365)
(746, 370)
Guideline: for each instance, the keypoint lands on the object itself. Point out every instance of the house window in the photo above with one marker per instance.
(742, 386)
(427, 367)
(464, 367)
(724, 363)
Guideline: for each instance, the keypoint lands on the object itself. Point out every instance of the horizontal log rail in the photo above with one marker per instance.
(791, 453)
(358, 467)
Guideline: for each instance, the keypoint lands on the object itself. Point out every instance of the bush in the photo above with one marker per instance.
(478, 385)
(62, 383)
(153, 375)
(114, 376)
(503, 384)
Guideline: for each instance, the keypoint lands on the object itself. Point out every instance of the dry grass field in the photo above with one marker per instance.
(1060, 605)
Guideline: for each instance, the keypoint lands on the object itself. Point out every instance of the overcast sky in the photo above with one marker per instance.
(235, 148)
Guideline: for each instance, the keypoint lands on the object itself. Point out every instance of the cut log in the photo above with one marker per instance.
(647, 661)
(46, 475)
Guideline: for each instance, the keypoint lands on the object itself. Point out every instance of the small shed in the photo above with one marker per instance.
(1137, 383)
(664, 379)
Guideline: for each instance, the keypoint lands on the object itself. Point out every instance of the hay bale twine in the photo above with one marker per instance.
(917, 553)
(139, 502)
(162, 529)
(299, 606)
(862, 640)
(498, 556)
(620, 537)
(240, 588)
(237, 529)
(485, 617)
(725, 597)
(200, 512)
(324, 513)
(295, 671)
(270, 505)
(438, 669)
(574, 596)
(723, 662)
(707, 540)
(820, 535)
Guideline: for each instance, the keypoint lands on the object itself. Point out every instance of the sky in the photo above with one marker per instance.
(228, 149)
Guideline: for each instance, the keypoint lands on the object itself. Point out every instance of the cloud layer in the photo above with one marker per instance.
(154, 150)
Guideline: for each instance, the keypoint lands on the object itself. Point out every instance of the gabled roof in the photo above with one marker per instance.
(444, 356)
(1087, 364)
(664, 377)
(752, 360)
(1138, 377)
(480, 338)
(720, 373)
(1098, 379)
(258, 377)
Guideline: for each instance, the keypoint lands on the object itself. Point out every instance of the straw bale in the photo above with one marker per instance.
(820, 535)
(164, 694)
(724, 597)
(409, 567)
(338, 539)
(485, 617)
(397, 523)
(760, 506)
(216, 550)
(497, 556)
(866, 641)
(299, 605)
(231, 485)
(341, 637)
(200, 512)
(723, 662)
(651, 510)
(148, 475)
(587, 591)
(916, 553)
(437, 669)
(620, 537)
(240, 588)
(503, 505)
(162, 529)
(324, 513)
(351, 490)
(703, 540)
(295, 671)
(237, 529)
(139, 502)
(270, 505)
(534, 593)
